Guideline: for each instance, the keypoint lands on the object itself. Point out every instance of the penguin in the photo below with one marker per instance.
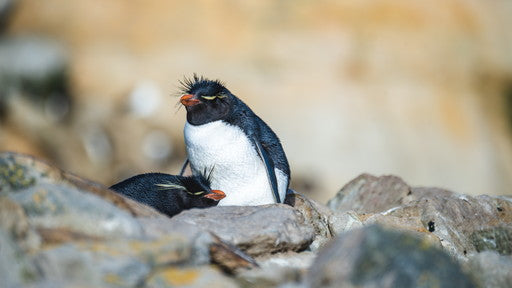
(169, 194)
(221, 131)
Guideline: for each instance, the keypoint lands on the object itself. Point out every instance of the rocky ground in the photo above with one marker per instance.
(58, 230)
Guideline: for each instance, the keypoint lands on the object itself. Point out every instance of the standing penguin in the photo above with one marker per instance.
(223, 132)
(169, 194)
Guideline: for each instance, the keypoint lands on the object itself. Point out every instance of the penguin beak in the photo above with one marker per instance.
(215, 195)
(189, 100)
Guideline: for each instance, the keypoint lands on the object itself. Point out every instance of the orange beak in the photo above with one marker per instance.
(189, 100)
(215, 195)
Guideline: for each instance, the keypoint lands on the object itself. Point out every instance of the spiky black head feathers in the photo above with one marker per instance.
(204, 86)
(205, 100)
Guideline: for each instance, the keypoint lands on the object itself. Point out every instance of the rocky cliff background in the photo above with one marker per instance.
(418, 89)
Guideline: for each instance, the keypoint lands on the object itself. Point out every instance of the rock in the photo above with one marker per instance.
(490, 269)
(203, 276)
(370, 194)
(59, 230)
(464, 225)
(411, 225)
(277, 270)
(340, 222)
(15, 271)
(50, 200)
(60, 206)
(14, 221)
(316, 215)
(72, 232)
(207, 247)
(375, 257)
(228, 257)
(256, 230)
(115, 263)
(19, 171)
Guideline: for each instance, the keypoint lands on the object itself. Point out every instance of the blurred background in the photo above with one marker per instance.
(420, 89)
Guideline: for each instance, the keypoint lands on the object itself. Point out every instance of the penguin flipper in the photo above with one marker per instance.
(269, 167)
(184, 167)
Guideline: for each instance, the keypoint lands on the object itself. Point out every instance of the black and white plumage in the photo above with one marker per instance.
(169, 194)
(223, 132)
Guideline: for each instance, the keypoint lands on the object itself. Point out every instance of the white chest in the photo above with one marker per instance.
(237, 168)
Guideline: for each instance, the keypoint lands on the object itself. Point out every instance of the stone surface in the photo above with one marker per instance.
(59, 230)
(203, 276)
(315, 214)
(490, 269)
(370, 194)
(115, 263)
(463, 224)
(340, 222)
(15, 270)
(375, 257)
(229, 257)
(256, 230)
(19, 171)
(277, 270)
(14, 221)
(60, 206)
(50, 202)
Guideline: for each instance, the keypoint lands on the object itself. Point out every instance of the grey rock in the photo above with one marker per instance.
(340, 222)
(370, 194)
(200, 240)
(490, 269)
(66, 264)
(229, 257)
(52, 198)
(462, 224)
(277, 269)
(375, 257)
(206, 246)
(15, 270)
(113, 263)
(62, 206)
(18, 172)
(201, 276)
(14, 221)
(256, 230)
(315, 214)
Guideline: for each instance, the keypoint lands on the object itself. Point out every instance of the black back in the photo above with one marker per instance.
(254, 127)
(148, 189)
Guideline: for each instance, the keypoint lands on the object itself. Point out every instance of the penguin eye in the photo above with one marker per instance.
(195, 193)
(209, 97)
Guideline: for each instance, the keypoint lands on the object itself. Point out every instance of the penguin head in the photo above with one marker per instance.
(198, 185)
(205, 100)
